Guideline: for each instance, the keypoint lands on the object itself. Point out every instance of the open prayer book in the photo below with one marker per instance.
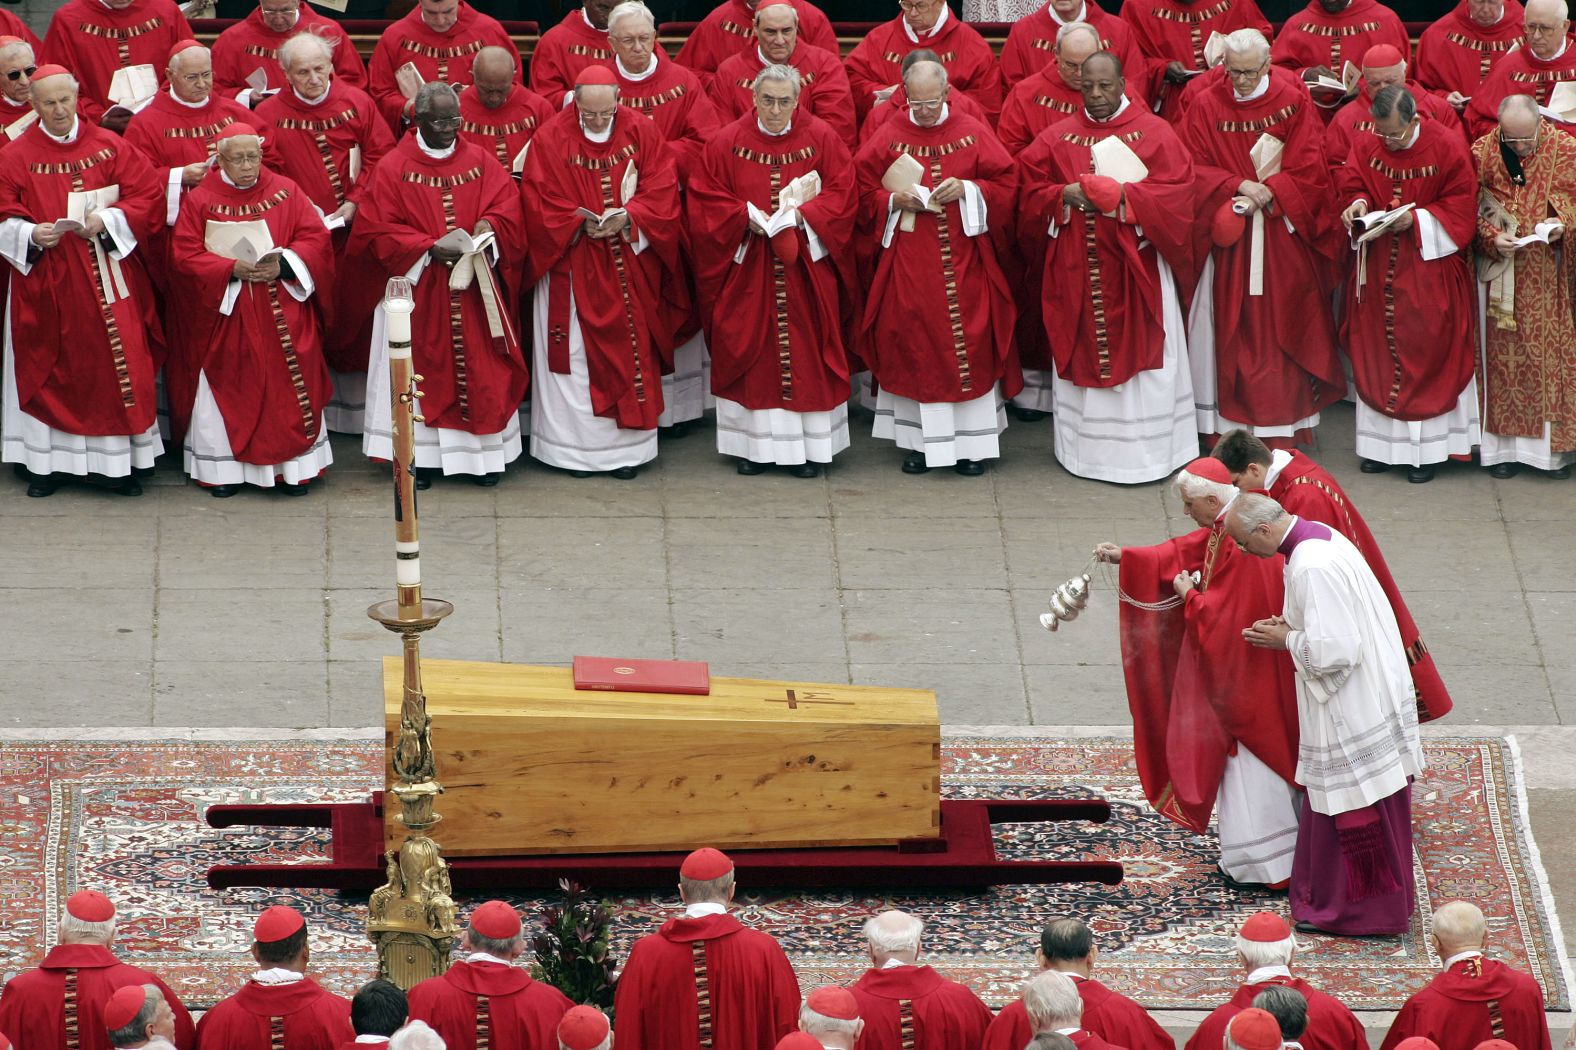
(626, 190)
(1214, 54)
(257, 80)
(798, 192)
(133, 87)
(1347, 84)
(249, 241)
(1540, 233)
(1376, 223)
(462, 242)
(517, 166)
(1562, 103)
(81, 204)
(409, 79)
(21, 124)
(904, 174)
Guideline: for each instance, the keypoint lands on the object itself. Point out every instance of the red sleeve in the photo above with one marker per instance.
(380, 79)
(395, 245)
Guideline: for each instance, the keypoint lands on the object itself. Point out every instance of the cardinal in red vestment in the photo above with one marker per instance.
(875, 64)
(775, 299)
(1475, 998)
(261, 383)
(1032, 41)
(1067, 946)
(94, 38)
(1323, 37)
(898, 994)
(939, 314)
(830, 1016)
(580, 40)
(1109, 294)
(1265, 947)
(584, 1028)
(247, 53)
(1410, 306)
(82, 337)
(484, 999)
(1458, 52)
(440, 39)
(705, 979)
(1172, 35)
(1261, 333)
(824, 90)
(16, 104)
(443, 213)
(1205, 739)
(1545, 60)
(1052, 1004)
(732, 27)
(1309, 491)
(280, 1005)
(497, 113)
(1383, 66)
(328, 138)
(35, 1010)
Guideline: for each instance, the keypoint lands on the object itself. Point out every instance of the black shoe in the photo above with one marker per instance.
(139, 472)
(750, 468)
(1421, 475)
(1558, 473)
(223, 491)
(295, 490)
(624, 473)
(487, 481)
(1373, 466)
(914, 463)
(41, 485)
(969, 468)
(1308, 927)
(1026, 415)
(424, 476)
(1504, 470)
(127, 486)
(580, 473)
(805, 470)
(677, 430)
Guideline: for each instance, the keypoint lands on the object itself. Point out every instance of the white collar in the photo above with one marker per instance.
(946, 111)
(69, 137)
(277, 974)
(158, 1042)
(312, 101)
(381, 1040)
(1258, 92)
(1468, 954)
(1412, 141)
(1107, 120)
(487, 957)
(627, 75)
(437, 154)
(933, 30)
(1280, 459)
(698, 911)
(1068, 1032)
(1059, 20)
(190, 105)
(598, 137)
(1563, 45)
(13, 103)
(1264, 973)
(892, 964)
(1229, 501)
(588, 21)
(774, 134)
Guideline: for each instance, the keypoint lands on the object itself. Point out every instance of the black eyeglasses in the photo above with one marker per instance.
(16, 74)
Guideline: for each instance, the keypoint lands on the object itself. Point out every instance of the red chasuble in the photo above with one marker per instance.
(1457, 54)
(34, 1010)
(1169, 31)
(1313, 37)
(473, 380)
(877, 61)
(1110, 1015)
(311, 145)
(1309, 491)
(619, 294)
(1355, 121)
(264, 360)
(674, 98)
(504, 131)
(824, 91)
(1275, 355)
(488, 1004)
(1031, 45)
(250, 45)
(729, 29)
(300, 1016)
(896, 105)
(85, 353)
(1412, 336)
(445, 56)
(710, 978)
(939, 314)
(1474, 1000)
(1185, 670)
(776, 336)
(915, 1008)
(1520, 73)
(1036, 102)
(1100, 284)
(563, 52)
(93, 41)
(1331, 1026)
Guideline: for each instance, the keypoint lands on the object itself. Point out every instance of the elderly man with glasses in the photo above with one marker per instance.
(1318, 41)
(1545, 60)
(1409, 306)
(824, 90)
(246, 56)
(1383, 66)
(875, 65)
(1527, 169)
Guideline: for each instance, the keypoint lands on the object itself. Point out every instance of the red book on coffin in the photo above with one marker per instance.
(642, 676)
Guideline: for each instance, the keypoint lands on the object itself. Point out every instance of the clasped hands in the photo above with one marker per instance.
(602, 229)
(262, 270)
(1269, 633)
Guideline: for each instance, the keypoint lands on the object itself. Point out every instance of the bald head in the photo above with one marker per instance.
(923, 78)
(492, 76)
(777, 32)
(1459, 926)
(1079, 39)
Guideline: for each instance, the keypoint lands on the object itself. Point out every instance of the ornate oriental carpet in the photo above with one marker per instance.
(126, 818)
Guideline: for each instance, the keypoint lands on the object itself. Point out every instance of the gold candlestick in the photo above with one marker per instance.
(411, 917)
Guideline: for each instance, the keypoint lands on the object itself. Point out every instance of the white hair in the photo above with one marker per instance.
(416, 1036)
(631, 9)
(786, 74)
(1191, 486)
(17, 46)
(1561, 6)
(759, 11)
(1242, 41)
(820, 1024)
(430, 92)
(303, 47)
(894, 933)
(1266, 953)
(183, 52)
(1077, 27)
(1254, 509)
(935, 69)
(78, 930)
(75, 84)
(1460, 923)
(1052, 1001)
